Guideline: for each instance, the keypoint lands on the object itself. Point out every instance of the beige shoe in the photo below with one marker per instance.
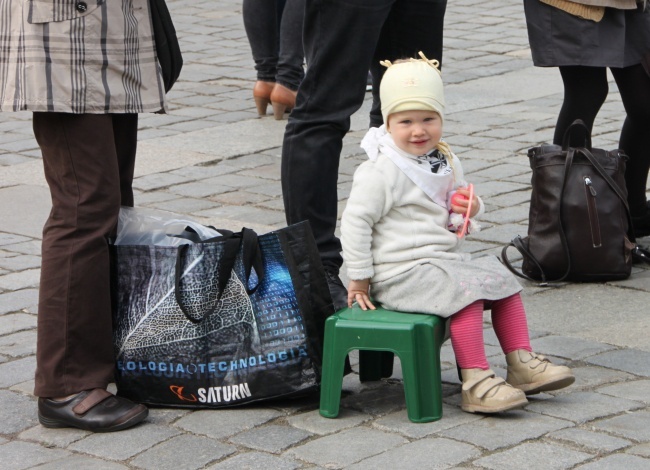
(484, 392)
(533, 373)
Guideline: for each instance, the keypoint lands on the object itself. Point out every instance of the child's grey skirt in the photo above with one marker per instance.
(557, 38)
(443, 287)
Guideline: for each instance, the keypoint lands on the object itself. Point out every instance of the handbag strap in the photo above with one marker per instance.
(578, 123)
(518, 243)
(247, 239)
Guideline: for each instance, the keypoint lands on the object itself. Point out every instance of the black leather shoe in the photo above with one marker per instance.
(92, 410)
(337, 290)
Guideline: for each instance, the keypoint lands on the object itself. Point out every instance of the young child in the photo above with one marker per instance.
(401, 244)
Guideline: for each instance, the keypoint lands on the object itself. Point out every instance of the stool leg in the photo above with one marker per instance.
(332, 377)
(422, 377)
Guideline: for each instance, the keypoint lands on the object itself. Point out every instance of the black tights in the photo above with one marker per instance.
(585, 91)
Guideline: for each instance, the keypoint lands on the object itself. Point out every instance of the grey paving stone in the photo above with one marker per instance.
(638, 390)
(628, 462)
(534, 456)
(81, 462)
(425, 453)
(11, 239)
(124, 444)
(335, 451)
(580, 407)
(591, 377)
(242, 214)
(494, 432)
(183, 452)
(629, 360)
(398, 422)
(53, 437)
(199, 189)
(20, 280)
(157, 181)
(314, 423)
(19, 344)
(17, 371)
(590, 441)
(635, 426)
(32, 247)
(20, 263)
(18, 455)
(571, 348)
(17, 412)
(166, 415)
(14, 301)
(256, 460)
(271, 438)
(642, 450)
(184, 205)
(241, 198)
(14, 322)
(379, 401)
(225, 422)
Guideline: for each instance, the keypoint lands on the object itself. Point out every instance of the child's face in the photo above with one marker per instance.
(415, 132)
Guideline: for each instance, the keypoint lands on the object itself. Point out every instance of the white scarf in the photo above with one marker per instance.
(435, 186)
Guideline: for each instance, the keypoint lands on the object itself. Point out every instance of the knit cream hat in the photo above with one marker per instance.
(413, 84)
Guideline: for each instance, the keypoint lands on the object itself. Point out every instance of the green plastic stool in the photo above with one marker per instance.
(378, 334)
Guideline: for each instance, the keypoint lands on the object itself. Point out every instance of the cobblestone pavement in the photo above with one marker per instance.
(213, 159)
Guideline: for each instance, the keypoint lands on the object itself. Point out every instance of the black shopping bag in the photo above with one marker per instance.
(228, 321)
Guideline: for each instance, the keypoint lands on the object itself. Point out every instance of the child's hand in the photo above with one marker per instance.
(358, 290)
(460, 201)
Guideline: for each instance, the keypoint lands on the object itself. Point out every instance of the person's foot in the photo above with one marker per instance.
(337, 290)
(92, 410)
(533, 373)
(484, 392)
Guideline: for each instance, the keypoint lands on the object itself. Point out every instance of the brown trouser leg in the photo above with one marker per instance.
(89, 161)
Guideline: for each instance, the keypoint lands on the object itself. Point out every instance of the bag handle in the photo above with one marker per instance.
(518, 243)
(578, 123)
(251, 259)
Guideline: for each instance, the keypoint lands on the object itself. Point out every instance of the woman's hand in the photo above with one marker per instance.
(460, 202)
(359, 291)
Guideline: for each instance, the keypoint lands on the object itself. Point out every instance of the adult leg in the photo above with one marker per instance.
(585, 91)
(339, 38)
(262, 25)
(74, 346)
(290, 70)
(412, 26)
(634, 85)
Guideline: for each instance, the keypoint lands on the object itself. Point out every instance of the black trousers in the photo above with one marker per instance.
(344, 39)
(89, 162)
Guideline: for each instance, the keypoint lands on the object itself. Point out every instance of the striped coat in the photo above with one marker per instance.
(78, 56)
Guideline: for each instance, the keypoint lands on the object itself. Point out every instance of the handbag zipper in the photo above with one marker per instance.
(591, 193)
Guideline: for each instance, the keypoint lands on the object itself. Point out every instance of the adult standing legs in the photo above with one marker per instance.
(339, 39)
(585, 91)
(634, 85)
(88, 160)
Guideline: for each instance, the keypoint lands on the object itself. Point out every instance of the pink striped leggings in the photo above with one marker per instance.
(466, 329)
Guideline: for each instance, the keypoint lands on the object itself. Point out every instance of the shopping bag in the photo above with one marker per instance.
(225, 321)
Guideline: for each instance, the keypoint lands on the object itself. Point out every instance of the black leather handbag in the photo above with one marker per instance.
(579, 222)
(167, 47)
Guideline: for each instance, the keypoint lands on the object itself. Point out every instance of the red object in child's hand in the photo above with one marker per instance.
(456, 197)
